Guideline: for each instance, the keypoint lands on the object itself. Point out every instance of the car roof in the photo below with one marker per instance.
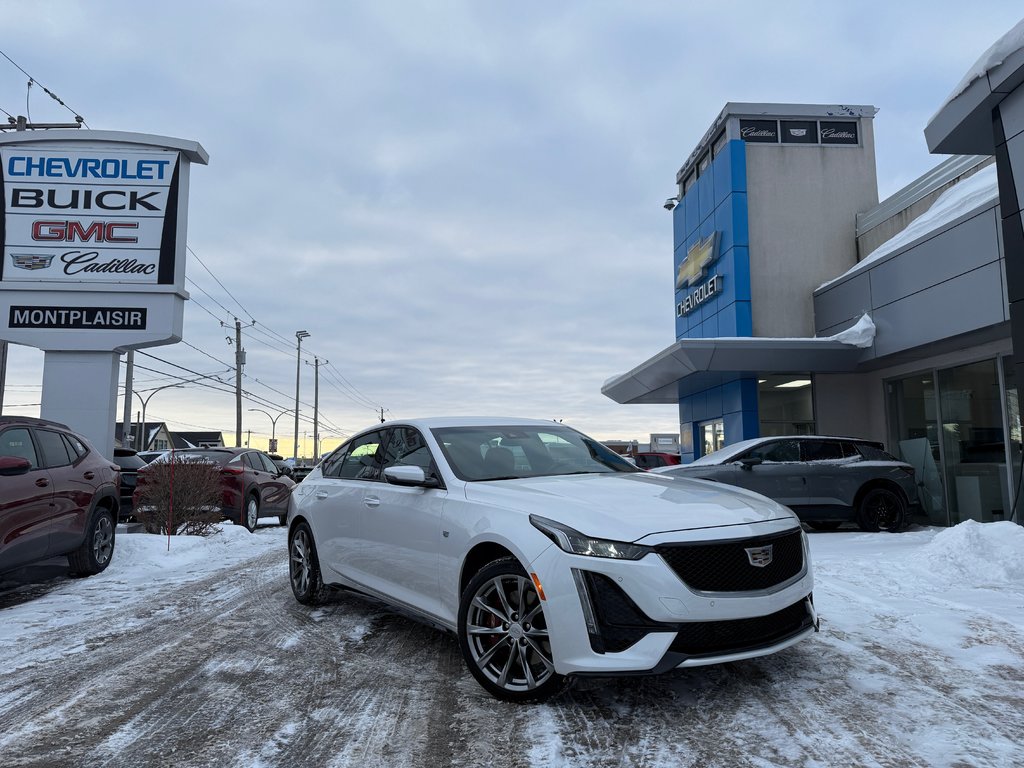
(8, 419)
(726, 453)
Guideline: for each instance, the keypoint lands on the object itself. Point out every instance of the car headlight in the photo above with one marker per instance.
(573, 541)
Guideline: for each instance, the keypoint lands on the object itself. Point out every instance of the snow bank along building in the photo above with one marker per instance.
(803, 304)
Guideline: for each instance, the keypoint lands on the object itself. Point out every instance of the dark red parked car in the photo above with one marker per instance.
(252, 486)
(58, 496)
(654, 459)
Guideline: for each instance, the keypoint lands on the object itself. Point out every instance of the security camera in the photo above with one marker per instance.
(671, 203)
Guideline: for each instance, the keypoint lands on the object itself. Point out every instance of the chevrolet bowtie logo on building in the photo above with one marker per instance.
(759, 557)
(700, 256)
(31, 260)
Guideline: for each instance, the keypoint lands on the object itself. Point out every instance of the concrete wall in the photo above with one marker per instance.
(802, 207)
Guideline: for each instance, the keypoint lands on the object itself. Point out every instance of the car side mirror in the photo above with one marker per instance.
(750, 462)
(14, 465)
(409, 476)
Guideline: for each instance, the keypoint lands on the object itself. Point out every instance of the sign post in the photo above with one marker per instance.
(93, 227)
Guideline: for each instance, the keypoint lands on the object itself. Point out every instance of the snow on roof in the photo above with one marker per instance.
(996, 54)
(963, 197)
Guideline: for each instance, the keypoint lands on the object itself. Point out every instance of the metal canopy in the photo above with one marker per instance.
(693, 365)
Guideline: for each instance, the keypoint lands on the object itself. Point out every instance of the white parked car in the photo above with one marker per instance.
(548, 555)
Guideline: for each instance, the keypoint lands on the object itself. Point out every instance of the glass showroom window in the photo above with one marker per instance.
(785, 404)
(712, 436)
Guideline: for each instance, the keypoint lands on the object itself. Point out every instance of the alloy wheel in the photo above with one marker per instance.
(507, 635)
(300, 562)
(103, 540)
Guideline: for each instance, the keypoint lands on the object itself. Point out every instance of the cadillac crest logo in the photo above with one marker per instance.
(700, 256)
(31, 260)
(759, 557)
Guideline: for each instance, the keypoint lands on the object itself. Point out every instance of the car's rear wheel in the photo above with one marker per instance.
(304, 567)
(503, 635)
(252, 513)
(881, 510)
(97, 550)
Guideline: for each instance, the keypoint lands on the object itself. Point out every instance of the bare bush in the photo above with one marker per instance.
(180, 496)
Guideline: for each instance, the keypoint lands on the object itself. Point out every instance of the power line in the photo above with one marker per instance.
(244, 310)
(46, 90)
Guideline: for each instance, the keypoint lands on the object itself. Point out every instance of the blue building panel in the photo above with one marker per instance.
(705, 195)
(678, 226)
(691, 213)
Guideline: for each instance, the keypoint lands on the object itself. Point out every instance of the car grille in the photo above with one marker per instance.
(705, 638)
(723, 566)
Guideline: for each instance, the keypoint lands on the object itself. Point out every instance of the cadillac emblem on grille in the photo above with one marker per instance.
(759, 557)
(31, 260)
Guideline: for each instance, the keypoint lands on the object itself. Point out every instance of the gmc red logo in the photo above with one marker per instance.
(74, 231)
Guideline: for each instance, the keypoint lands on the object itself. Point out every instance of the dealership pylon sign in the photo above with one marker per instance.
(93, 229)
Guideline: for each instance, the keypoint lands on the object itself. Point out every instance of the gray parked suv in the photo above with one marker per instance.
(826, 480)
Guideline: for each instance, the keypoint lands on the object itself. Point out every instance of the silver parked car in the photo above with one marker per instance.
(826, 480)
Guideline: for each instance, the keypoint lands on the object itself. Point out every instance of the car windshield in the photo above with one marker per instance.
(517, 451)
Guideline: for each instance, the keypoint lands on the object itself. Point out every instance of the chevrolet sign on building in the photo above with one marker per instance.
(93, 228)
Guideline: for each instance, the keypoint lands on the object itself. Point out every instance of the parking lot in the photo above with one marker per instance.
(201, 657)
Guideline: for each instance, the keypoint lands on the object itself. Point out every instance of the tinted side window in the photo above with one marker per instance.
(75, 446)
(252, 461)
(18, 442)
(55, 451)
(362, 461)
(268, 465)
(871, 453)
(821, 450)
(406, 448)
(781, 450)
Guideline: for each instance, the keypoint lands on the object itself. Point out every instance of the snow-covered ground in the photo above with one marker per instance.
(920, 661)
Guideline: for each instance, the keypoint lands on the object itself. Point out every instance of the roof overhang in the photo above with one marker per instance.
(693, 365)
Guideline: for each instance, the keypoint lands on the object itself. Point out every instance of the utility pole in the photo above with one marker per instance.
(316, 407)
(248, 437)
(382, 414)
(129, 378)
(239, 362)
(299, 336)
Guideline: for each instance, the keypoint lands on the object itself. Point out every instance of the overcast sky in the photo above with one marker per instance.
(460, 201)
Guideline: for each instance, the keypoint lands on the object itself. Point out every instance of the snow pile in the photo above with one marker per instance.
(145, 556)
(963, 197)
(860, 334)
(977, 554)
(996, 54)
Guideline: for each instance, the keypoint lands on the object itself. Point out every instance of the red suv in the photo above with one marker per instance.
(252, 486)
(58, 496)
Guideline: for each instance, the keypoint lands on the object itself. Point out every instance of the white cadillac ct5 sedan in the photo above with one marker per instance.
(547, 555)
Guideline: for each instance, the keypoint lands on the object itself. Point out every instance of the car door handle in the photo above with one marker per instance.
(371, 501)
(42, 482)
(321, 494)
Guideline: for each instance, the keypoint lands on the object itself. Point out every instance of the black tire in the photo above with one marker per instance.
(824, 525)
(97, 550)
(881, 510)
(251, 513)
(282, 519)
(304, 567)
(503, 635)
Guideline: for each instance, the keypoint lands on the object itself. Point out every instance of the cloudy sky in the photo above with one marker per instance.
(460, 201)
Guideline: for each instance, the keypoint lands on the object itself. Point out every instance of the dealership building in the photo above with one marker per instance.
(805, 305)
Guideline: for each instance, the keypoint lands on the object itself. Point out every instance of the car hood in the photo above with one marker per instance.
(629, 506)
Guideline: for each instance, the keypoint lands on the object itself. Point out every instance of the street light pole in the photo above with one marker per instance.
(145, 401)
(273, 423)
(299, 336)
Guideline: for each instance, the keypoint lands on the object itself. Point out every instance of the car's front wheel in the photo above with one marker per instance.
(881, 510)
(96, 551)
(503, 634)
(304, 567)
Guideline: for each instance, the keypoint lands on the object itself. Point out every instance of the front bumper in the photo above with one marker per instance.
(608, 617)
